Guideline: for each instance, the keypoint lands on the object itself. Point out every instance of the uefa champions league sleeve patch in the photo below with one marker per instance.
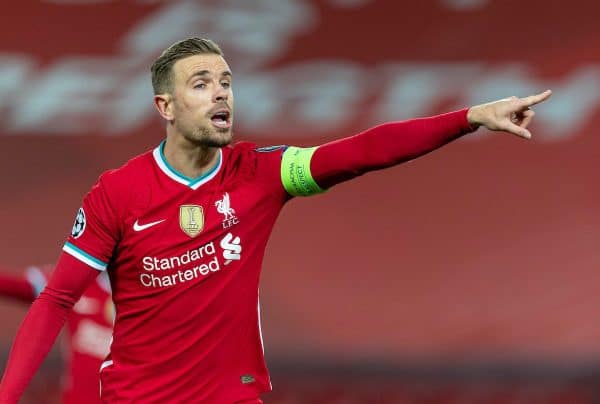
(79, 225)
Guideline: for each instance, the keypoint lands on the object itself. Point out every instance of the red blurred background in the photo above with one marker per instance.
(467, 276)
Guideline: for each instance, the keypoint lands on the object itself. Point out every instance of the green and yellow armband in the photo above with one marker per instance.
(295, 172)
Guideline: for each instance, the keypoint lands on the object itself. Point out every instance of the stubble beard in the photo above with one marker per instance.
(211, 137)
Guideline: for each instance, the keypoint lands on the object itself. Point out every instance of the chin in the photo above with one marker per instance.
(213, 138)
(223, 138)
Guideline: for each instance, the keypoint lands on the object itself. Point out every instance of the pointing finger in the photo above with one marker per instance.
(535, 99)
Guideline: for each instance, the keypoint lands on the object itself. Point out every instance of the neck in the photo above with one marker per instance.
(189, 159)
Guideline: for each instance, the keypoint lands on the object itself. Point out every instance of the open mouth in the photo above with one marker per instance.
(221, 118)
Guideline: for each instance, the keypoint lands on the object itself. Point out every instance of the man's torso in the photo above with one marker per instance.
(184, 269)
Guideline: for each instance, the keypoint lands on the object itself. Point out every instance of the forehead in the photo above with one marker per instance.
(210, 62)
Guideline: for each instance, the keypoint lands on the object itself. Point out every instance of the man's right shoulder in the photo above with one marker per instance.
(120, 187)
(132, 170)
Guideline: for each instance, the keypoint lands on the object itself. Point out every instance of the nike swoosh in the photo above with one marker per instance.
(140, 227)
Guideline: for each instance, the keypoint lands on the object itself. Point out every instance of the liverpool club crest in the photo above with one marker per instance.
(191, 219)
(224, 208)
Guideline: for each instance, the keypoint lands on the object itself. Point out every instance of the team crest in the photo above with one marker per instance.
(191, 219)
(224, 207)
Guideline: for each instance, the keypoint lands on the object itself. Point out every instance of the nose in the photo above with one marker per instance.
(221, 95)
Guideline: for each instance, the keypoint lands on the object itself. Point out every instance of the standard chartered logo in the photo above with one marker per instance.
(231, 248)
(160, 272)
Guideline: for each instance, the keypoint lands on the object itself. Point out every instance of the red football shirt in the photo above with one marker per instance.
(184, 258)
(89, 331)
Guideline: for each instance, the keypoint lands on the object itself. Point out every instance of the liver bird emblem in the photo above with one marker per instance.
(224, 207)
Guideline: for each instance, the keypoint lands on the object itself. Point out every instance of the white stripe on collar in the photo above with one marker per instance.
(193, 183)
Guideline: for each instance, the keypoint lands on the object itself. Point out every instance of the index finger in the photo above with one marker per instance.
(536, 99)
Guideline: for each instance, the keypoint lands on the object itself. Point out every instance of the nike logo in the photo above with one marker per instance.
(140, 227)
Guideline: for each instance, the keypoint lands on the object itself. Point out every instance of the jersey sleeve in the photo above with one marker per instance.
(42, 324)
(96, 229)
(309, 171)
(269, 166)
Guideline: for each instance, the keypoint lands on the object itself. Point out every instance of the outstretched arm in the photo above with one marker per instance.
(42, 324)
(306, 171)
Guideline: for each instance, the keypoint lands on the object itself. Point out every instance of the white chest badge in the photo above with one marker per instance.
(224, 207)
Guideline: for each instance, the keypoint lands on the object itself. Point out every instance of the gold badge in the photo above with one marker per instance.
(191, 219)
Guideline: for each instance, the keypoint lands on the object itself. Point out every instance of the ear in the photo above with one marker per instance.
(163, 104)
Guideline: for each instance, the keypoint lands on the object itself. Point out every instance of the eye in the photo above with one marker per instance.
(225, 84)
(200, 85)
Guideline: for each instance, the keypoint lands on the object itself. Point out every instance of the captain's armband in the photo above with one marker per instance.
(295, 172)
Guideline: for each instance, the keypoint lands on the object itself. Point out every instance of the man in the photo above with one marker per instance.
(182, 231)
(89, 330)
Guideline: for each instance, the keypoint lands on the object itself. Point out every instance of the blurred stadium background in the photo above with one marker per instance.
(468, 276)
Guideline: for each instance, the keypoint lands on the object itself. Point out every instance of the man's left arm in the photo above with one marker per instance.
(306, 171)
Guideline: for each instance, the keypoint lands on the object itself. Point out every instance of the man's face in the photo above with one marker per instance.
(202, 100)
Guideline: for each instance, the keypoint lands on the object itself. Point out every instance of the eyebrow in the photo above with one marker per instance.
(200, 73)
